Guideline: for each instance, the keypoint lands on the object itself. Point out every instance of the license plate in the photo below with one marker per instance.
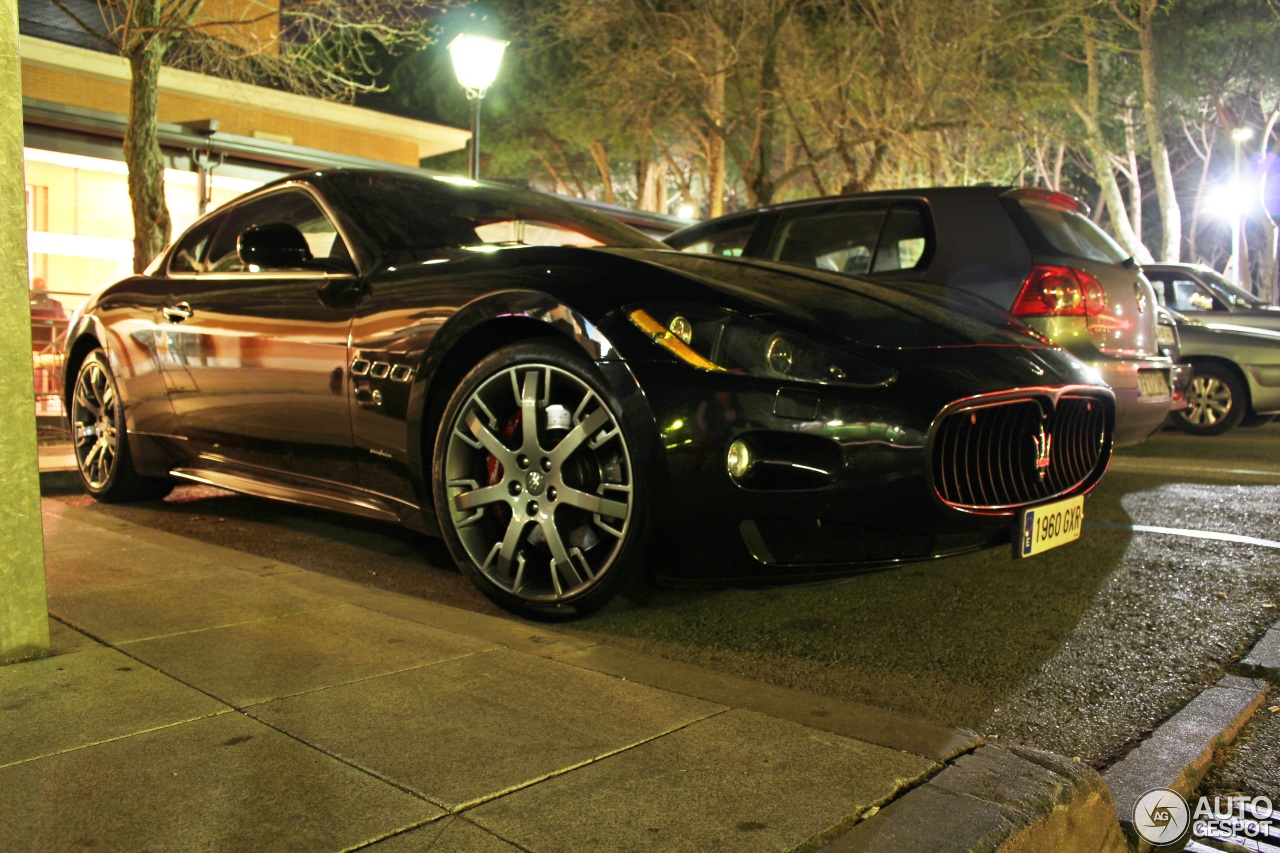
(1152, 383)
(1048, 526)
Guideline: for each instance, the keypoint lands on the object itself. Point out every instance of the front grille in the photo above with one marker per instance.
(1000, 455)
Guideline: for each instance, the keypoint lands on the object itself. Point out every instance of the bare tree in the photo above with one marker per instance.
(316, 47)
(1140, 17)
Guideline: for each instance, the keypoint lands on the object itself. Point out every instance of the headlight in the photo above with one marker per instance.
(721, 341)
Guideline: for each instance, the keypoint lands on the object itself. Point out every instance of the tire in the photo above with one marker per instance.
(546, 520)
(101, 441)
(1216, 401)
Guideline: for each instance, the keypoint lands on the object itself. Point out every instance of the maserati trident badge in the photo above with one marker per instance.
(1044, 443)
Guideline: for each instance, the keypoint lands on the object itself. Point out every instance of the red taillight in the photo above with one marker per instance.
(1052, 291)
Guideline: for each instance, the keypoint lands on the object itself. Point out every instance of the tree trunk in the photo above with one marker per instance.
(600, 157)
(1166, 194)
(1101, 154)
(1268, 268)
(1132, 173)
(151, 223)
(715, 146)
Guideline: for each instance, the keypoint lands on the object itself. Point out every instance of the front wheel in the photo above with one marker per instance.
(1215, 402)
(535, 488)
(101, 440)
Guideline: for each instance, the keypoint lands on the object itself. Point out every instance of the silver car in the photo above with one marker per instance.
(1200, 293)
(1033, 252)
(1231, 340)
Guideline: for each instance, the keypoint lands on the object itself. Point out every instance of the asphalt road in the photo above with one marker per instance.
(1079, 650)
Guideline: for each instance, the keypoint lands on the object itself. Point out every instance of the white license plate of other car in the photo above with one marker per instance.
(1048, 526)
(1152, 383)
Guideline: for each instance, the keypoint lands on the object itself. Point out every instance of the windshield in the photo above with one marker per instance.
(423, 214)
(1072, 234)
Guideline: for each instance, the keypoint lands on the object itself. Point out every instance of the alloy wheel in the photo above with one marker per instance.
(539, 482)
(1209, 401)
(95, 424)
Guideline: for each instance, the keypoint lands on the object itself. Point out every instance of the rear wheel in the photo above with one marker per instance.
(100, 439)
(535, 488)
(1215, 402)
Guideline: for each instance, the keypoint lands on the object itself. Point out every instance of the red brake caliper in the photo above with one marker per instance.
(492, 465)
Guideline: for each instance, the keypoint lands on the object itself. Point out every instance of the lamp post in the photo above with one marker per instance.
(1239, 136)
(475, 61)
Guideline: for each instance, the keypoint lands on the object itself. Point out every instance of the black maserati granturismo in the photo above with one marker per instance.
(573, 407)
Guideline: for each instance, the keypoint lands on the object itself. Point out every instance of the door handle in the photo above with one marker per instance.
(177, 313)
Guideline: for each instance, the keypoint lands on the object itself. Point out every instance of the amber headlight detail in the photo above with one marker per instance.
(670, 342)
(723, 341)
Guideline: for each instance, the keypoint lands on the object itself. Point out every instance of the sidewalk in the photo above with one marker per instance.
(204, 698)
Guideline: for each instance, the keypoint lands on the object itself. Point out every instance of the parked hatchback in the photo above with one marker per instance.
(1034, 252)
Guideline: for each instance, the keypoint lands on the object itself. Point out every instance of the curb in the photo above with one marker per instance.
(1263, 661)
(1180, 751)
(1013, 799)
(60, 482)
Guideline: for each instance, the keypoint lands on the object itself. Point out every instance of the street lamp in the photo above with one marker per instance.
(1239, 136)
(475, 61)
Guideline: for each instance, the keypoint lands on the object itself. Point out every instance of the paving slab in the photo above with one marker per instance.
(74, 700)
(116, 560)
(737, 781)
(467, 730)
(74, 534)
(63, 639)
(1014, 800)
(222, 783)
(1178, 753)
(843, 717)
(508, 631)
(123, 614)
(447, 835)
(255, 661)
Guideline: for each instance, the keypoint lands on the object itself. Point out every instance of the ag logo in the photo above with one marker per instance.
(1161, 816)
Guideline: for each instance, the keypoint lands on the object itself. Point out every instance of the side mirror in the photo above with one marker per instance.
(275, 245)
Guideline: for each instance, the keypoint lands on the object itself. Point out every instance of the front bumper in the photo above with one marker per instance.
(845, 480)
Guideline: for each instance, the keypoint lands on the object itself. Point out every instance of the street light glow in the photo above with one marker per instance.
(475, 61)
(1231, 199)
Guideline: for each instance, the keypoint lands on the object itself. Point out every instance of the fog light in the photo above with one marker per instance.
(739, 460)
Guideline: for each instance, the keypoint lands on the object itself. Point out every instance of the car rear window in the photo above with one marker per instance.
(1072, 234)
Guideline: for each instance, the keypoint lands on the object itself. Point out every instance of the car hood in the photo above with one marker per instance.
(838, 307)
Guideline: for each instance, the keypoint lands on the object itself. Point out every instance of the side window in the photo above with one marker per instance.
(727, 241)
(903, 242)
(1191, 297)
(290, 207)
(842, 239)
(187, 254)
